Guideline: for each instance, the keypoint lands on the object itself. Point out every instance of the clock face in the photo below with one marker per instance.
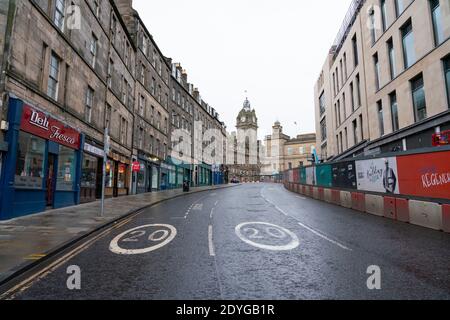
(243, 119)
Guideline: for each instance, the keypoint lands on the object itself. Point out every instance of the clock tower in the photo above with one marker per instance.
(247, 166)
(247, 119)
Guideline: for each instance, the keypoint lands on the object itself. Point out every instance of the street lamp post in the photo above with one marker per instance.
(105, 159)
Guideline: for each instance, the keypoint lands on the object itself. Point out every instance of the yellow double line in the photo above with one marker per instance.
(27, 283)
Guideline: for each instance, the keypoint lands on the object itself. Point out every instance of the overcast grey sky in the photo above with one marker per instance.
(273, 49)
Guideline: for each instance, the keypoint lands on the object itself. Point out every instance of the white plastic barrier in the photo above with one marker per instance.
(346, 199)
(425, 214)
(316, 193)
(327, 193)
(375, 205)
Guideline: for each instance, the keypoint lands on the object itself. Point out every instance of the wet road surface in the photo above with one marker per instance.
(255, 241)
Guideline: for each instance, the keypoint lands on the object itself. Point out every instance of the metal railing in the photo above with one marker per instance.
(348, 22)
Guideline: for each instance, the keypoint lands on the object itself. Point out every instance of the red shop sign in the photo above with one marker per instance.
(40, 124)
(136, 166)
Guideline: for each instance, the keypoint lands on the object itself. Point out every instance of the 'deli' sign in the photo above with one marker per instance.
(40, 124)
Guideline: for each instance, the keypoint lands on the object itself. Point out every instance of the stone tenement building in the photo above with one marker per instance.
(187, 111)
(71, 70)
(283, 153)
(385, 88)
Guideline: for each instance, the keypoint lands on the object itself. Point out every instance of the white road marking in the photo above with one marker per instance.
(294, 243)
(115, 248)
(303, 198)
(316, 232)
(212, 213)
(198, 207)
(210, 241)
(320, 234)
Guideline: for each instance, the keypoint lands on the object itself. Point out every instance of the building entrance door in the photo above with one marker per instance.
(51, 179)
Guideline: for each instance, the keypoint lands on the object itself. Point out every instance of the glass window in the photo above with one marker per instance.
(358, 91)
(380, 118)
(399, 7)
(383, 14)
(59, 14)
(155, 178)
(437, 22)
(109, 179)
(377, 71)
(323, 129)
(394, 111)
(372, 26)
(352, 97)
(141, 176)
(53, 78)
(418, 92)
(355, 51)
(89, 104)
(89, 171)
(180, 176)
(30, 161)
(122, 176)
(391, 53)
(355, 132)
(172, 176)
(93, 49)
(409, 55)
(322, 103)
(66, 169)
(447, 77)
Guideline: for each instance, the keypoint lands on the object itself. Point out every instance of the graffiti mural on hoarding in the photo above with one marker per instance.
(425, 175)
(344, 175)
(378, 175)
(430, 180)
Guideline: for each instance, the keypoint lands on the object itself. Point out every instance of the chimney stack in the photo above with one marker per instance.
(126, 10)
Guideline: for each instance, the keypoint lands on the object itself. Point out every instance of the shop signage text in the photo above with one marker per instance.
(39, 124)
(94, 150)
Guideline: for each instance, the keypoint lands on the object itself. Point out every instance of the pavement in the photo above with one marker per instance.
(254, 241)
(27, 240)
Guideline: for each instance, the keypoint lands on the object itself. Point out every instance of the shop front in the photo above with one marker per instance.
(42, 168)
(91, 172)
(165, 176)
(203, 174)
(148, 177)
(178, 173)
(117, 173)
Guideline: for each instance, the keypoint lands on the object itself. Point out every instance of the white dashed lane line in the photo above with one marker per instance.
(314, 231)
(210, 241)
